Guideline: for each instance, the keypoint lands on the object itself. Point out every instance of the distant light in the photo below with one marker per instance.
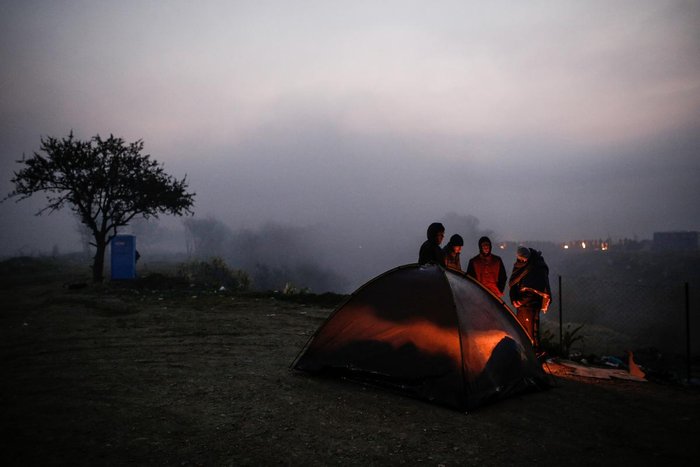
(583, 245)
(566, 247)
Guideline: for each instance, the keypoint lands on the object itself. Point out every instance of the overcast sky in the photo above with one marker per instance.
(548, 120)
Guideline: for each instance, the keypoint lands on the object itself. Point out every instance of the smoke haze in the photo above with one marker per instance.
(340, 131)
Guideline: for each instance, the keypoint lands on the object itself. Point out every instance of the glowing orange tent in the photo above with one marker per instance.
(430, 332)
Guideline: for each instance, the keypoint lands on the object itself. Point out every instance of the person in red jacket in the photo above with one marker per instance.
(488, 268)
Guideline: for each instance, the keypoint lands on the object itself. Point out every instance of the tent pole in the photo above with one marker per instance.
(561, 312)
(687, 331)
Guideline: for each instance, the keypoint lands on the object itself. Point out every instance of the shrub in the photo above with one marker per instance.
(214, 273)
(569, 337)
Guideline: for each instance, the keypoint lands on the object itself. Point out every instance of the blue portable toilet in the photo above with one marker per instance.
(123, 257)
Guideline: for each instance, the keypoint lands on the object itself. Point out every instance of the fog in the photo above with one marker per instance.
(326, 137)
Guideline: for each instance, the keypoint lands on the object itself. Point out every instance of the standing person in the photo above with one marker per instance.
(529, 290)
(430, 251)
(452, 251)
(488, 268)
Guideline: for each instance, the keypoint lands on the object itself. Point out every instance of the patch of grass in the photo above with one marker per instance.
(327, 299)
(40, 270)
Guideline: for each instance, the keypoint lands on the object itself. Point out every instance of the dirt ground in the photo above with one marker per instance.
(135, 376)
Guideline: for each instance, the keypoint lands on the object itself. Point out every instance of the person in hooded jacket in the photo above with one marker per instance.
(487, 268)
(452, 251)
(529, 290)
(430, 251)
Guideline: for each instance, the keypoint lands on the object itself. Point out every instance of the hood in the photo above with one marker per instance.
(434, 229)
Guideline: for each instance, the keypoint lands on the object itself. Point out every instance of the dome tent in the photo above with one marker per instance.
(430, 332)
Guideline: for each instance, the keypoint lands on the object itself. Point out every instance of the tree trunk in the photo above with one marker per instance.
(99, 261)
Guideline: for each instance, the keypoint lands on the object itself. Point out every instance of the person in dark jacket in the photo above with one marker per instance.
(529, 290)
(488, 268)
(430, 251)
(452, 251)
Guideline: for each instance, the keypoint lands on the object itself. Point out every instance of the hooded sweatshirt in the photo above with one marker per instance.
(452, 260)
(488, 270)
(530, 280)
(430, 251)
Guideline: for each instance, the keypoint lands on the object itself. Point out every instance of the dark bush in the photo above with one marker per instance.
(214, 273)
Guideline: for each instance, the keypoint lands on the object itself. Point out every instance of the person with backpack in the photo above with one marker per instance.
(530, 293)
